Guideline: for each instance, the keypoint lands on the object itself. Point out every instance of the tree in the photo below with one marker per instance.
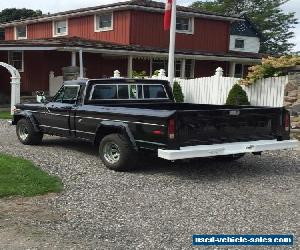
(8, 15)
(268, 17)
(12, 14)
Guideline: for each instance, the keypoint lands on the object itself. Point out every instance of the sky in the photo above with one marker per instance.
(62, 5)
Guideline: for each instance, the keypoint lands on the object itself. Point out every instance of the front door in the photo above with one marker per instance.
(58, 113)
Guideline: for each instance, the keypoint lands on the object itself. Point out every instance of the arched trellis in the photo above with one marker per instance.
(15, 84)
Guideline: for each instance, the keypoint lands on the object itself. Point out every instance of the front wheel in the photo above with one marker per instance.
(26, 133)
(117, 153)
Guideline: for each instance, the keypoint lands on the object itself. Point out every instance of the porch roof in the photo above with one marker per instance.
(93, 46)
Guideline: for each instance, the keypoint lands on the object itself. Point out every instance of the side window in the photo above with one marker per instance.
(67, 94)
(123, 92)
(133, 92)
(104, 92)
(59, 95)
(154, 92)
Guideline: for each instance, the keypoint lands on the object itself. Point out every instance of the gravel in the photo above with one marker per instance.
(160, 205)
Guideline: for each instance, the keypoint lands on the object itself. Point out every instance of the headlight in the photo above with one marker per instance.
(14, 110)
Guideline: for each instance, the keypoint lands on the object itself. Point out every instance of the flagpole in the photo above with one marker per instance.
(172, 44)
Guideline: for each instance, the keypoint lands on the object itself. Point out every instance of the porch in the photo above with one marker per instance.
(40, 60)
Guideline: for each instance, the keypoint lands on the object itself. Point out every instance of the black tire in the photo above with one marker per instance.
(26, 133)
(229, 158)
(117, 153)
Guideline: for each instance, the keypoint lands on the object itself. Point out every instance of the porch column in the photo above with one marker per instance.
(73, 61)
(129, 67)
(232, 69)
(182, 68)
(150, 67)
(81, 63)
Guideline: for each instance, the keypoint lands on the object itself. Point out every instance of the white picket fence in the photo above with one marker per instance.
(215, 89)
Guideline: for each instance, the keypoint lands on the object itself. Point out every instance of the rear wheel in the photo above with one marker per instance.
(26, 133)
(117, 153)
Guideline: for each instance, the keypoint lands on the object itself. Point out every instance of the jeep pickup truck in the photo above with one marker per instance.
(123, 117)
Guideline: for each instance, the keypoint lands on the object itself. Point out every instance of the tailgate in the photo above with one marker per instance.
(198, 127)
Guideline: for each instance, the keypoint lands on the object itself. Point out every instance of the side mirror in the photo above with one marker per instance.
(40, 97)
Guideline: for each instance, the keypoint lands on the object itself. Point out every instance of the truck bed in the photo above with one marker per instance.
(201, 124)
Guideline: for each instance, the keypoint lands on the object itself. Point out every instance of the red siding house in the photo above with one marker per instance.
(126, 36)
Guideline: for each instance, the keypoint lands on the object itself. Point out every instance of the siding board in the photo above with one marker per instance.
(9, 33)
(84, 27)
(39, 30)
(209, 35)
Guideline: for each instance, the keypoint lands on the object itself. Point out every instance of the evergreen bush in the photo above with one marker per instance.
(177, 92)
(237, 96)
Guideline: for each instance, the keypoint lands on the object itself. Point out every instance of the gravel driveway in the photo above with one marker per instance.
(159, 206)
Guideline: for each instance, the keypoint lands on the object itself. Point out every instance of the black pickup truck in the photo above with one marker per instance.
(126, 116)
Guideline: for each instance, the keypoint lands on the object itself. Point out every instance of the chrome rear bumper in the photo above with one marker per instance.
(226, 149)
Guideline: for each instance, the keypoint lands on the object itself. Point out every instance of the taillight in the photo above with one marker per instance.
(287, 122)
(171, 129)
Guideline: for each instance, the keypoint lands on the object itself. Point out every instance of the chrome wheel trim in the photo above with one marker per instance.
(23, 132)
(111, 152)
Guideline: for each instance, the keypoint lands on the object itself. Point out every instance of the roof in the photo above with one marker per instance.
(146, 5)
(76, 43)
(245, 28)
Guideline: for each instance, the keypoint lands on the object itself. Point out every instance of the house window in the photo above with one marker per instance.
(21, 32)
(239, 71)
(60, 28)
(158, 64)
(239, 44)
(189, 68)
(185, 25)
(16, 59)
(177, 68)
(104, 22)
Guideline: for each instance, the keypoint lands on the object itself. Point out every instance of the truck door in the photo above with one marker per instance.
(58, 112)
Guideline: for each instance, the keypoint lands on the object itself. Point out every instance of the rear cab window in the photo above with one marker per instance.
(123, 91)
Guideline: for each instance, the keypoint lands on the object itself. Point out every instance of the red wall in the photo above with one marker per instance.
(39, 30)
(84, 27)
(209, 35)
(9, 33)
(208, 68)
(141, 28)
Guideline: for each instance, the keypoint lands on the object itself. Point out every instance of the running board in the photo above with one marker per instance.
(226, 149)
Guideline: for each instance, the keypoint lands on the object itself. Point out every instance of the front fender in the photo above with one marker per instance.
(27, 115)
(107, 127)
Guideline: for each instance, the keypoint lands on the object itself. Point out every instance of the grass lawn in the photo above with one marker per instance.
(19, 177)
(5, 115)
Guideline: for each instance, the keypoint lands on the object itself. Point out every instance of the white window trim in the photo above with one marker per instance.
(16, 33)
(96, 29)
(54, 28)
(10, 62)
(192, 23)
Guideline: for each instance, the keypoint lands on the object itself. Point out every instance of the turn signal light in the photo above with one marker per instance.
(171, 129)
(287, 122)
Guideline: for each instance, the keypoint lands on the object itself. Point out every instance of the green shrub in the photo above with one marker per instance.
(270, 67)
(139, 74)
(177, 92)
(237, 96)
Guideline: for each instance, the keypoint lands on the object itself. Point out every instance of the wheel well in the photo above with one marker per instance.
(18, 118)
(104, 131)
